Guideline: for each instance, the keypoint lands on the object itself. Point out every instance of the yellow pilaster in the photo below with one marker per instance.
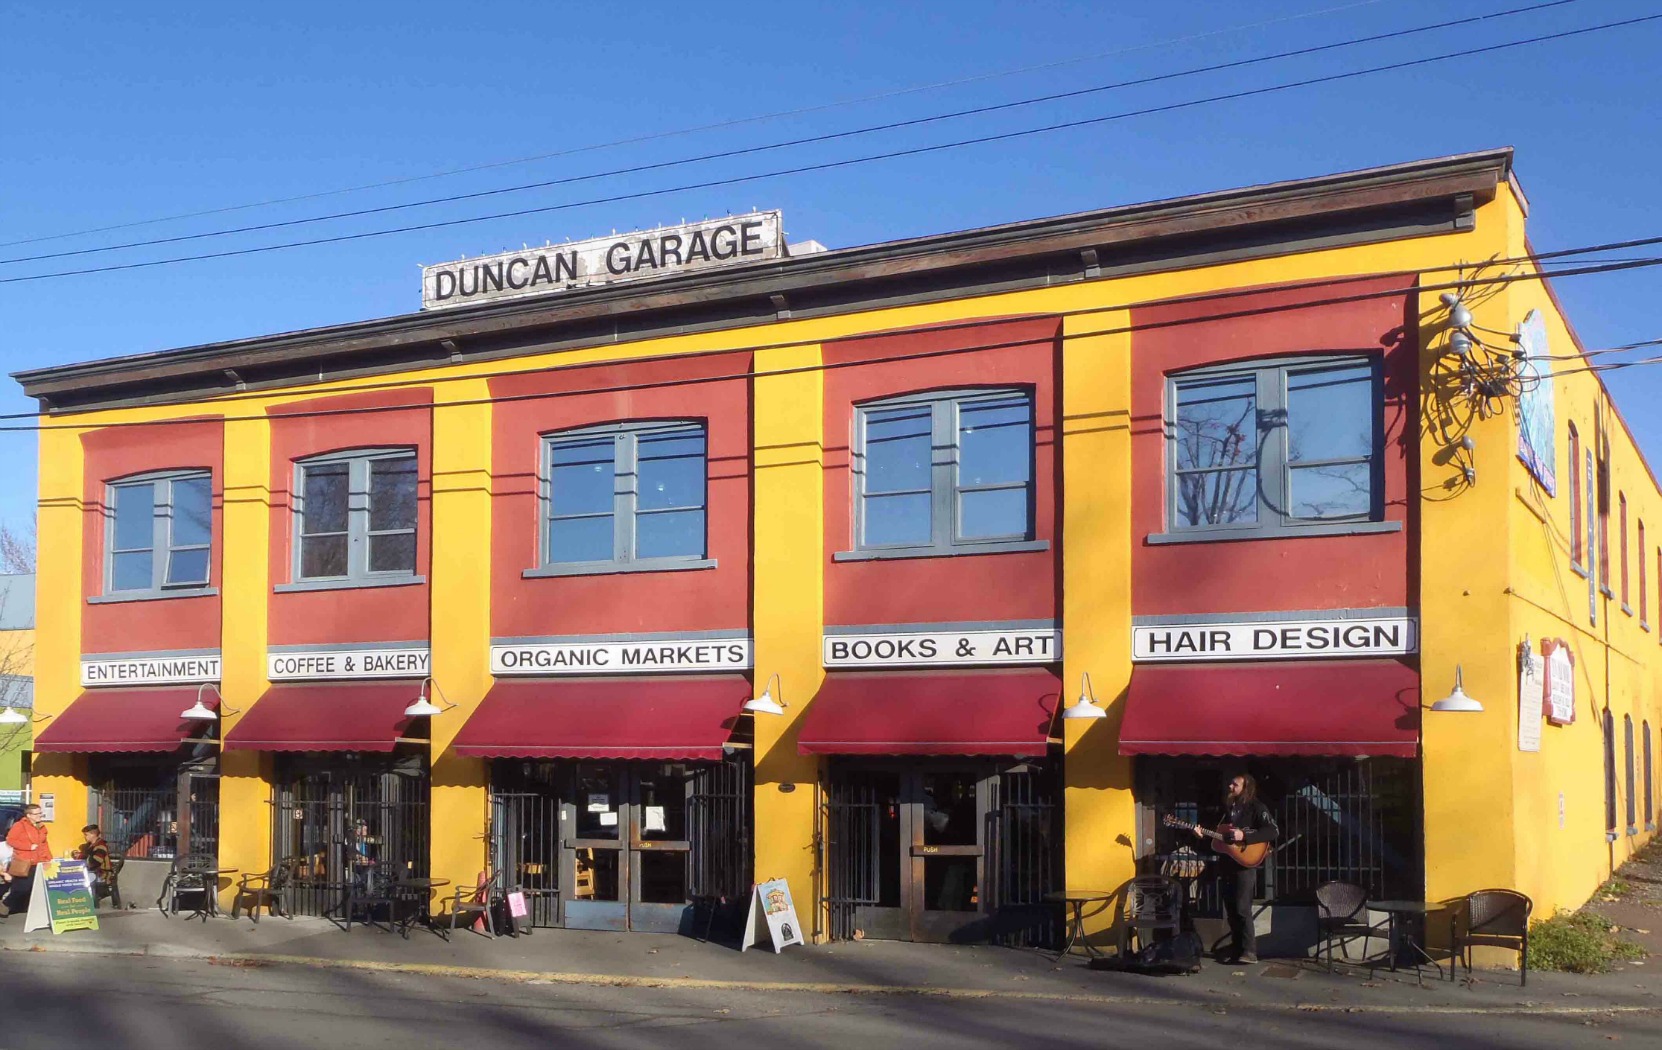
(461, 602)
(58, 625)
(1465, 550)
(1096, 602)
(245, 588)
(789, 615)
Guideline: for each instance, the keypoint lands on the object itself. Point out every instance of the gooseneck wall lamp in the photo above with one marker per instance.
(1086, 707)
(1457, 700)
(768, 703)
(200, 712)
(421, 707)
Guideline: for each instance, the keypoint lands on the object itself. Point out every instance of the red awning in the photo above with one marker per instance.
(994, 712)
(683, 719)
(1332, 707)
(125, 720)
(354, 716)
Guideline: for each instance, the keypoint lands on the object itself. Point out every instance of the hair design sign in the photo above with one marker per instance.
(755, 237)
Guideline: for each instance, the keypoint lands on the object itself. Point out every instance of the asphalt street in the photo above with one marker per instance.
(55, 1001)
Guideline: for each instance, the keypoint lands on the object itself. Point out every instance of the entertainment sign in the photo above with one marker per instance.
(155, 670)
(756, 237)
(632, 657)
(1275, 639)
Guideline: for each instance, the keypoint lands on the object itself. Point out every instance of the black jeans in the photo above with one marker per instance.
(1239, 886)
(18, 892)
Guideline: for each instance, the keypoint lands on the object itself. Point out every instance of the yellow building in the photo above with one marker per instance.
(635, 571)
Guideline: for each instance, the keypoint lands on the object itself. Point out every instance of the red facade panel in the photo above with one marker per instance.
(713, 390)
(1019, 353)
(667, 719)
(119, 452)
(398, 418)
(1298, 572)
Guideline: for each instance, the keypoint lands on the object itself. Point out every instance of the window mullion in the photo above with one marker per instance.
(160, 528)
(943, 469)
(357, 518)
(1274, 470)
(625, 485)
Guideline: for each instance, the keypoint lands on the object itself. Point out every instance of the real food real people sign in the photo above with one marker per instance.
(62, 898)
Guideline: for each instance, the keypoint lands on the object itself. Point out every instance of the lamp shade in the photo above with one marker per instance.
(1457, 700)
(1084, 709)
(764, 704)
(11, 716)
(421, 707)
(198, 712)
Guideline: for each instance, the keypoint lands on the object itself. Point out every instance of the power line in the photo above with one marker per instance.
(846, 162)
(717, 126)
(823, 366)
(786, 144)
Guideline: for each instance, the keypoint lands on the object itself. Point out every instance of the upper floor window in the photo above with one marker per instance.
(1274, 446)
(160, 532)
(1578, 553)
(944, 472)
(628, 495)
(1622, 522)
(355, 516)
(1644, 591)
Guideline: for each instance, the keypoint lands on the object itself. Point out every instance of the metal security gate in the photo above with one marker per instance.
(525, 835)
(622, 845)
(157, 810)
(1349, 819)
(339, 821)
(941, 850)
(1026, 859)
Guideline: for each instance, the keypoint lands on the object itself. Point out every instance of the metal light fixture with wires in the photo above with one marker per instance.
(1458, 700)
(1486, 375)
(200, 712)
(421, 707)
(767, 703)
(13, 716)
(1086, 706)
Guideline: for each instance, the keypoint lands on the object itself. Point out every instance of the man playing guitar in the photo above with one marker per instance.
(1246, 821)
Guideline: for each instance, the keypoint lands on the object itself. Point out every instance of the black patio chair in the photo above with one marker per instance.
(193, 873)
(269, 887)
(1342, 914)
(474, 902)
(1494, 919)
(1152, 903)
(372, 889)
(112, 878)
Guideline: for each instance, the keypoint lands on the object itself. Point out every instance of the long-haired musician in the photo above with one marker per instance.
(1246, 821)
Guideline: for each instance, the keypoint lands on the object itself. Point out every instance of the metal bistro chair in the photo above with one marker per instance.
(269, 887)
(112, 879)
(474, 902)
(1152, 903)
(1494, 919)
(1341, 914)
(194, 873)
(372, 888)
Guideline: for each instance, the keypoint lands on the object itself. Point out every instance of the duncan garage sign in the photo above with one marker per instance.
(756, 237)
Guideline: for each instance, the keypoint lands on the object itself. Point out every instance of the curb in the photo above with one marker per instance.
(595, 980)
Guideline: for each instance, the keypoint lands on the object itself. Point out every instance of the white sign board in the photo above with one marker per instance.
(906, 649)
(158, 670)
(1275, 639)
(315, 664)
(755, 237)
(1531, 686)
(772, 909)
(645, 657)
(1559, 701)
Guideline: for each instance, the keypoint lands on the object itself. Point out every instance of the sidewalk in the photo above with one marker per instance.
(864, 968)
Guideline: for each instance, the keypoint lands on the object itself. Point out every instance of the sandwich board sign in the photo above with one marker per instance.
(771, 909)
(62, 898)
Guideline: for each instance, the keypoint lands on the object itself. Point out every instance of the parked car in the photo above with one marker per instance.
(9, 815)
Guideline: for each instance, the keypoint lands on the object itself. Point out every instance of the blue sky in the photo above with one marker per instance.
(117, 114)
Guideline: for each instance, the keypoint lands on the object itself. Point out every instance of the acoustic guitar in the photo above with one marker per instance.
(1246, 854)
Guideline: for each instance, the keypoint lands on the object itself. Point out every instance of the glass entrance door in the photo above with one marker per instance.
(627, 849)
(907, 850)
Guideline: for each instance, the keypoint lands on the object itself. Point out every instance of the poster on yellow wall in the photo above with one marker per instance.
(1531, 688)
(1536, 417)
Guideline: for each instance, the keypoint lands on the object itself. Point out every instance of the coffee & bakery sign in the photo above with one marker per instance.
(755, 237)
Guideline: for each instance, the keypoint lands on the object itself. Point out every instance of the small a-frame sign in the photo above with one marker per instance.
(772, 910)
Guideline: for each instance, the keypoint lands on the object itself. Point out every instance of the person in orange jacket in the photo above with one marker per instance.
(27, 838)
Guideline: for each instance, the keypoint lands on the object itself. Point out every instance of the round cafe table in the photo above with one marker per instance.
(1408, 920)
(1076, 901)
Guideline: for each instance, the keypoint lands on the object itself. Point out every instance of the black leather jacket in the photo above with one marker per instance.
(1254, 819)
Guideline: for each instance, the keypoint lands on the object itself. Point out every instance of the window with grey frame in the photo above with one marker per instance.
(944, 472)
(1274, 447)
(626, 495)
(355, 517)
(160, 533)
